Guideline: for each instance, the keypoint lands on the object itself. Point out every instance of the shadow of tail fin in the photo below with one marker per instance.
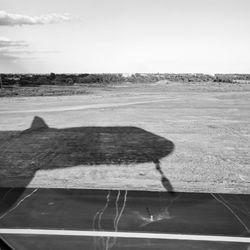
(38, 123)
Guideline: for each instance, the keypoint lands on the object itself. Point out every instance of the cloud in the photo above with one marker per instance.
(13, 50)
(8, 19)
(7, 43)
(7, 46)
(6, 57)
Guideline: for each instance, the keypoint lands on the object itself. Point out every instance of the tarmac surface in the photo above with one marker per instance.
(120, 219)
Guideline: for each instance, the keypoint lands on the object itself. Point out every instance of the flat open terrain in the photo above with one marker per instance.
(209, 125)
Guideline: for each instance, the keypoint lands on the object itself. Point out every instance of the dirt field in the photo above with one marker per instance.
(43, 90)
(209, 125)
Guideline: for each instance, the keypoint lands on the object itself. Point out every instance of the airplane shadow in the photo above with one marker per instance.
(23, 153)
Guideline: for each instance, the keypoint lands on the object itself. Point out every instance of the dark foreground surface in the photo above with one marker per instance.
(29, 242)
(134, 212)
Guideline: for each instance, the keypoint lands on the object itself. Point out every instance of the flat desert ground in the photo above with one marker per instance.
(209, 124)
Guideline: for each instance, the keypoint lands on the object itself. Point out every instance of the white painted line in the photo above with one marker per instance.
(125, 235)
(82, 107)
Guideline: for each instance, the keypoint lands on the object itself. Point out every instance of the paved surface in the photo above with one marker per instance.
(85, 213)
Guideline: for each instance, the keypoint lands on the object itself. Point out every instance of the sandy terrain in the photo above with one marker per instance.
(209, 126)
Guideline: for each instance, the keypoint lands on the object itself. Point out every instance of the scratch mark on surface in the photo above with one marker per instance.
(233, 213)
(117, 219)
(116, 215)
(9, 211)
(103, 210)
(99, 215)
(123, 207)
(93, 226)
(232, 205)
(116, 207)
(5, 195)
(243, 205)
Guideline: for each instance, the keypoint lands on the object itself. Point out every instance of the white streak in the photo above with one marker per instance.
(116, 208)
(103, 210)
(231, 210)
(6, 213)
(115, 226)
(125, 235)
(232, 205)
(5, 195)
(99, 215)
(117, 218)
(242, 203)
(123, 207)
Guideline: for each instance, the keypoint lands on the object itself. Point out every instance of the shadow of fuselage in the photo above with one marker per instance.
(40, 147)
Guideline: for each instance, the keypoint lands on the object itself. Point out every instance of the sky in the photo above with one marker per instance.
(125, 36)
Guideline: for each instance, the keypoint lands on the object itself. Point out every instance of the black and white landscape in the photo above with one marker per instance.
(124, 124)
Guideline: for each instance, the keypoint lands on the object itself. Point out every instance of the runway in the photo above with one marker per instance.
(120, 219)
(211, 146)
(82, 107)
